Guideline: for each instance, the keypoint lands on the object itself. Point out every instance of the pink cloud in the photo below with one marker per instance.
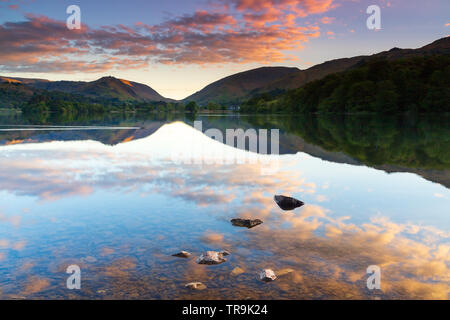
(305, 7)
(242, 31)
(327, 20)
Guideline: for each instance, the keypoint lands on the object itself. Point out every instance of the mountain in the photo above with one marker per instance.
(13, 94)
(21, 80)
(239, 86)
(233, 89)
(317, 72)
(105, 88)
(415, 84)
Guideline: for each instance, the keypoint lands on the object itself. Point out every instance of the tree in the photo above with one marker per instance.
(191, 107)
(213, 106)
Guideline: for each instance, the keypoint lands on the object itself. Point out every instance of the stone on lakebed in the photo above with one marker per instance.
(267, 275)
(195, 286)
(182, 254)
(212, 257)
(247, 223)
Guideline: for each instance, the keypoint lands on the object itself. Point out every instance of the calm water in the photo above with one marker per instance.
(118, 203)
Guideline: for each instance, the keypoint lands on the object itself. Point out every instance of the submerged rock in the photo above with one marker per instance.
(267, 275)
(212, 257)
(226, 253)
(182, 254)
(287, 203)
(237, 271)
(195, 286)
(247, 223)
(284, 272)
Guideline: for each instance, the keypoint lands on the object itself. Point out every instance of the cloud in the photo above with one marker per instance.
(213, 238)
(18, 246)
(411, 268)
(4, 243)
(14, 220)
(96, 166)
(327, 20)
(321, 198)
(241, 31)
(302, 8)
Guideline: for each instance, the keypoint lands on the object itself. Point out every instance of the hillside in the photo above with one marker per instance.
(242, 86)
(414, 84)
(232, 90)
(21, 80)
(14, 94)
(301, 77)
(104, 88)
(237, 87)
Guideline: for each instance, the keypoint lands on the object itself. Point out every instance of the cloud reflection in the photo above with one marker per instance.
(328, 254)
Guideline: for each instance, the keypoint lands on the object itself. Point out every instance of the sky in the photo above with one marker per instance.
(179, 46)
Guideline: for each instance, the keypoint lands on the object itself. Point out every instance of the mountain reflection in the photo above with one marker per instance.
(393, 144)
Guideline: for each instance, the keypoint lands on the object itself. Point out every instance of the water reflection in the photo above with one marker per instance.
(119, 211)
(419, 145)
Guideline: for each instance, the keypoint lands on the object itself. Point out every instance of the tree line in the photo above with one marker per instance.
(411, 141)
(38, 101)
(419, 84)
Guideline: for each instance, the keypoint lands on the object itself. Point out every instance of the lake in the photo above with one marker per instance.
(118, 195)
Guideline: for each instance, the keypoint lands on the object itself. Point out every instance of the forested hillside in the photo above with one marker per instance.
(419, 84)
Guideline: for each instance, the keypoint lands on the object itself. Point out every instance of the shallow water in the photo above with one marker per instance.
(119, 202)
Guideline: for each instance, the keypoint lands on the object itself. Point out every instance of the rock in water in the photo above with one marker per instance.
(182, 254)
(247, 223)
(237, 271)
(226, 253)
(285, 271)
(195, 286)
(287, 203)
(211, 257)
(267, 275)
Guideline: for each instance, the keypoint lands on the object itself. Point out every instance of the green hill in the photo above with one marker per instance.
(104, 88)
(14, 94)
(417, 84)
(235, 88)
(301, 77)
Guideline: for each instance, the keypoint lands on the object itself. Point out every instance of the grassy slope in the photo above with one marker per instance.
(239, 86)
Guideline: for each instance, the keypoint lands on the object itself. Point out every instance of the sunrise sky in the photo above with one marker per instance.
(179, 46)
